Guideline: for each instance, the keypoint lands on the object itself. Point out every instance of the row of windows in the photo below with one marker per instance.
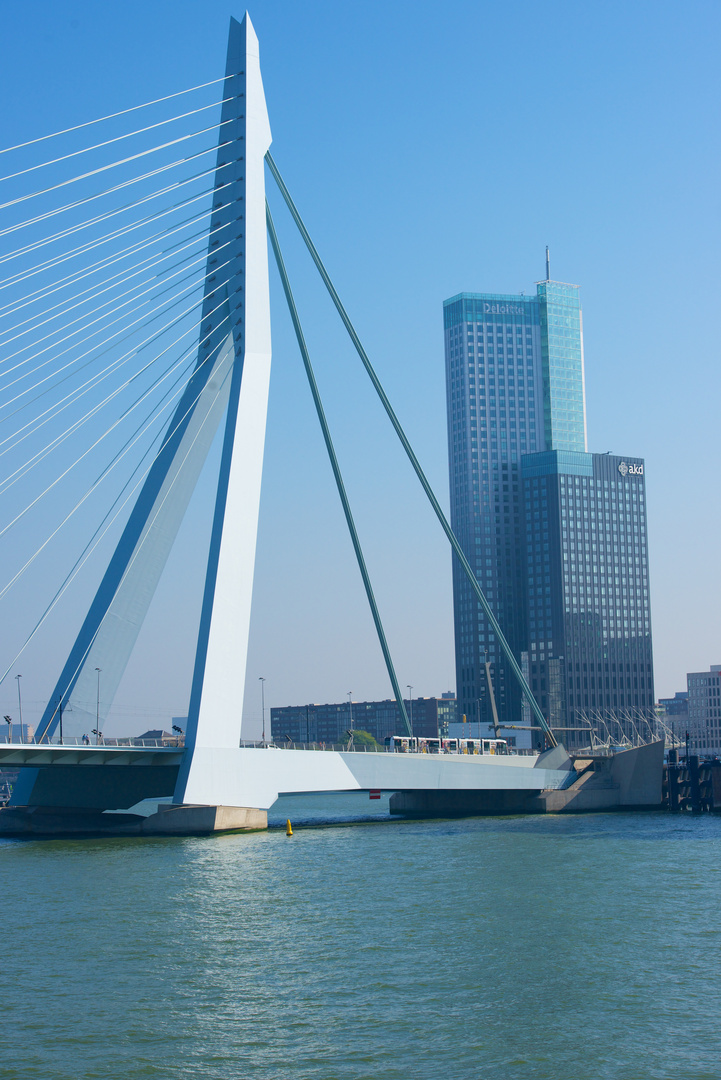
(459, 382)
(491, 330)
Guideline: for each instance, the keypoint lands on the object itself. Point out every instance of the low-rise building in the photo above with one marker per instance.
(329, 723)
(704, 711)
(676, 706)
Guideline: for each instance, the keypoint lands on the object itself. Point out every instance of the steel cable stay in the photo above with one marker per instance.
(106, 261)
(83, 248)
(131, 563)
(54, 410)
(173, 387)
(91, 245)
(134, 293)
(105, 238)
(40, 455)
(109, 142)
(138, 244)
(71, 230)
(117, 363)
(122, 277)
(91, 384)
(336, 472)
(108, 191)
(395, 422)
(113, 367)
(111, 116)
(132, 440)
(154, 312)
(87, 494)
(98, 536)
(111, 165)
(59, 406)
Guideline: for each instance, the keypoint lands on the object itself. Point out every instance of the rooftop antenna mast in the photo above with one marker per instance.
(548, 264)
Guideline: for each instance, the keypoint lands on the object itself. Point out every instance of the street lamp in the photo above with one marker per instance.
(350, 709)
(97, 710)
(410, 702)
(20, 707)
(262, 702)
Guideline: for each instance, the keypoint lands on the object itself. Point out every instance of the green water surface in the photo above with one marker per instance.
(542, 948)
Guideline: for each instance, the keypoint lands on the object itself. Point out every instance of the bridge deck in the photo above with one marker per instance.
(34, 755)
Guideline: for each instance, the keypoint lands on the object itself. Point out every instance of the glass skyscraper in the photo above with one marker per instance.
(564, 393)
(515, 391)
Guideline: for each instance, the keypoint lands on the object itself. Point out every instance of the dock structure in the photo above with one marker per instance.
(692, 784)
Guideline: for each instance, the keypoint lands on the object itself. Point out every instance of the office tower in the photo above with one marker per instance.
(704, 712)
(589, 657)
(514, 385)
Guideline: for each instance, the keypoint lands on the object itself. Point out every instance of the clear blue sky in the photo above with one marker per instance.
(432, 150)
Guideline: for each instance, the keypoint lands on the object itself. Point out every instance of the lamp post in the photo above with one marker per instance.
(20, 707)
(97, 710)
(262, 702)
(350, 726)
(410, 702)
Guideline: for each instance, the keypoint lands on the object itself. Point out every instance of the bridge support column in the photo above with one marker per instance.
(185, 820)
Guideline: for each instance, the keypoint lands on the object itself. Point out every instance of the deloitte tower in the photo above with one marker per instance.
(517, 438)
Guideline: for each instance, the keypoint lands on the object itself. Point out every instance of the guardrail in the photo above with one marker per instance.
(179, 743)
(87, 742)
(376, 749)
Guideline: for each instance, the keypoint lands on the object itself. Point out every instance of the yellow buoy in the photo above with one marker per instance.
(288, 827)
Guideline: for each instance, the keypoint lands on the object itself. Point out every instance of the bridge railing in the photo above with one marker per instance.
(84, 741)
(363, 748)
(88, 741)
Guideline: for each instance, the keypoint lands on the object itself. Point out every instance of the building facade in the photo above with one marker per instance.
(514, 385)
(589, 657)
(330, 723)
(704, 712)
(674, 707)
(557, 537)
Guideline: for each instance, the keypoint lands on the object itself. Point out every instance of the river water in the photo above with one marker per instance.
(530, 948)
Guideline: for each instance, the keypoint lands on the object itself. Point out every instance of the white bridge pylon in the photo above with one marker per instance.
(231, 378)
(216, 700)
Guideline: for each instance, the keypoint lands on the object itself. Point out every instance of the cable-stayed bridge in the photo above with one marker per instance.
(136, 325)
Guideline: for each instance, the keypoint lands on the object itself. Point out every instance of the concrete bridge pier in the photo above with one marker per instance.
(67, 821)
(186, 820)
